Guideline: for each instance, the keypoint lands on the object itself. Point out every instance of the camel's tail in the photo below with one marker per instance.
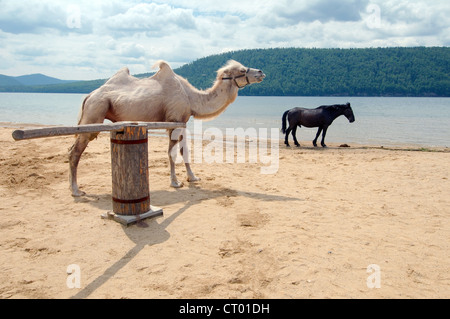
(92, 136)
(283, 121)
(80, 113)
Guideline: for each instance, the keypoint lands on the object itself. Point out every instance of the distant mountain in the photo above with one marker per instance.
(39, 79)
(30, 80)
(8, 81)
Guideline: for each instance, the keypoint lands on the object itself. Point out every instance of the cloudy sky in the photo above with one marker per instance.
(83, 40)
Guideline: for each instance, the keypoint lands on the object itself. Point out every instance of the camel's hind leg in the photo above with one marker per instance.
(93, 111)
(75, 152)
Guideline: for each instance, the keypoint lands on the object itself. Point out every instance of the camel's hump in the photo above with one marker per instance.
(122, 76)
(124, 70)
(164, 69)
(161, 65)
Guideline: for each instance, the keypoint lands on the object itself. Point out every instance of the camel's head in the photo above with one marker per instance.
(239, 74)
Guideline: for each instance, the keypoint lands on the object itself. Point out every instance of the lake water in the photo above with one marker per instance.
(386, 121)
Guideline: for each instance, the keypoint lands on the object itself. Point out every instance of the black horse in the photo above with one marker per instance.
(321, 117)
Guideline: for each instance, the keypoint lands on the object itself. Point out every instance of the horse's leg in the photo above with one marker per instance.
(75, 152)
(186, 158)
(286, 138)
(294, 135)
(323, 136)
(317, 136)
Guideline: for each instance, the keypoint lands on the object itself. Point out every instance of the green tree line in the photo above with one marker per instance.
(414, 71)
(417, 71)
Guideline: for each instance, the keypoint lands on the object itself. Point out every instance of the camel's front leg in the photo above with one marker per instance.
(176, 136)
(186, 158)
(191, 176)
(173, 177)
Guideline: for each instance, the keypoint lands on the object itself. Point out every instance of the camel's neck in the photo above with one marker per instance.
(212, 102)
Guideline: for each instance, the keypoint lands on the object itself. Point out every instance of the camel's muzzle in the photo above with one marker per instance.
(260, 76)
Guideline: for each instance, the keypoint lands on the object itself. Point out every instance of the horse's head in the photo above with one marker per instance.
(348, 113)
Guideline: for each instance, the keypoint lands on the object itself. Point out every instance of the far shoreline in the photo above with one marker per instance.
(331, 145)
(426, 96)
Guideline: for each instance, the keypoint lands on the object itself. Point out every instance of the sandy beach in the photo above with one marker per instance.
(311, 230)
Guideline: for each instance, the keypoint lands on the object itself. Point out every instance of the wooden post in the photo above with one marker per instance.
(129, 167)
(130, 177)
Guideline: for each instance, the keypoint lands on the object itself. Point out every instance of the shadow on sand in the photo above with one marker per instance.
(156, 233)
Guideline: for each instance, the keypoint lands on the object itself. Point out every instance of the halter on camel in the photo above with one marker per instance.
(240, 76)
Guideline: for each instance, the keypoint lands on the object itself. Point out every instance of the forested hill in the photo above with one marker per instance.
(418, 71)
(325, 72)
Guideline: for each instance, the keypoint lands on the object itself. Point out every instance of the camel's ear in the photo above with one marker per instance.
(223, 73)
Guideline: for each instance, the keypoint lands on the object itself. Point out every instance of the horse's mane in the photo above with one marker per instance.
(334, 106)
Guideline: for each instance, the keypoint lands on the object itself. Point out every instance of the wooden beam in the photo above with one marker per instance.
(26, 134)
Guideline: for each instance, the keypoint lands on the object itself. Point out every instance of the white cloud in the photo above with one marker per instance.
(93, 39)
(132, 50)
(151, 18)
(29, 17)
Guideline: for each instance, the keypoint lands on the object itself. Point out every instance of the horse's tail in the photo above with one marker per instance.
(283, 121)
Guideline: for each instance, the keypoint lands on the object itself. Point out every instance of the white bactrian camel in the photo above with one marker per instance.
(164, 97)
